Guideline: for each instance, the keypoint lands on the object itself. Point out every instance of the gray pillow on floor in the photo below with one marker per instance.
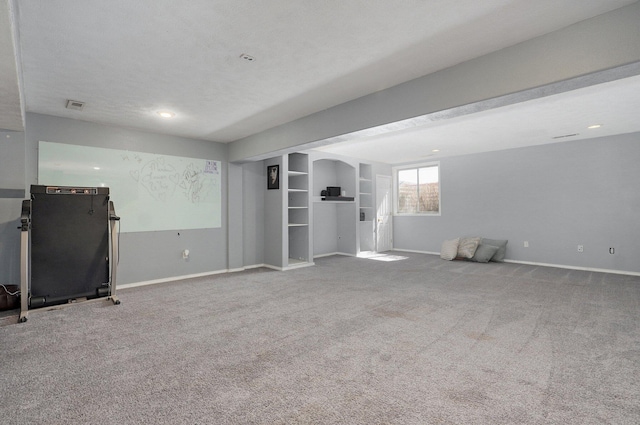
(502, 248)
(484, 253)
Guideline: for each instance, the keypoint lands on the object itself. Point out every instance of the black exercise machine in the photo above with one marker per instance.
(67, 234)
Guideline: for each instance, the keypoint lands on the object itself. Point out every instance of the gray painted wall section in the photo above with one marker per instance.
(12, 160)
(555, 197)
(10, 241)
(348, 222)
(235, 214)
(144, 256)
(254, 188)
(603, 42)
(325, 225)
(275, 248)
(379, 169)
(12, 177)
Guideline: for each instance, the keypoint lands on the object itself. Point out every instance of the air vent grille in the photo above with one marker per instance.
(75, 104)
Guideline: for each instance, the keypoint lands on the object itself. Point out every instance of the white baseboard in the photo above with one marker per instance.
(167, 279)
(269, 266)
(298, 266)
(563, 266)
(334, 253)
(253, 266)
(532, 263)
(189, 276)
(417, 252)
(289, 267)
(238, 269)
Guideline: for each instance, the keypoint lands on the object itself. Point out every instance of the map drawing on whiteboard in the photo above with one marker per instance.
(150, 191)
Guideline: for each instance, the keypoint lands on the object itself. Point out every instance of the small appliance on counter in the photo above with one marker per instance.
(333, 194)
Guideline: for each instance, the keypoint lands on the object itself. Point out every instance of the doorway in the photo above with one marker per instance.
(384, 230)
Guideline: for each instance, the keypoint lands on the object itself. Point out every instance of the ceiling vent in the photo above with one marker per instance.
(75, 104)
(566, 135)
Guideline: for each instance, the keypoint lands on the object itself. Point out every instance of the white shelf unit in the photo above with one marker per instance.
(298, 209)
(319, 199)
(366, 210)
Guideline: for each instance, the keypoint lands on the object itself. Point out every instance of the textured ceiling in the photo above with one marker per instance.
(129, 59)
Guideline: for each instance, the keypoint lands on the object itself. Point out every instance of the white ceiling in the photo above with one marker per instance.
(557, 118)
(129, 59)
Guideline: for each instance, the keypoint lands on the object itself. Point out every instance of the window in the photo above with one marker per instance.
(418, 189)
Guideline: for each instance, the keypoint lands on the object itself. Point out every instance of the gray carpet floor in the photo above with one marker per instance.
(349, 341)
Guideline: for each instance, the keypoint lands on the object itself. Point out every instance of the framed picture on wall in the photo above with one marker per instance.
(273, 177)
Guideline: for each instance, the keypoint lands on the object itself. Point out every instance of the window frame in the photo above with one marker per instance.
(416, 166)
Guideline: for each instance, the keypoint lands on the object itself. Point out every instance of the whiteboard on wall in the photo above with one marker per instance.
(150, 191)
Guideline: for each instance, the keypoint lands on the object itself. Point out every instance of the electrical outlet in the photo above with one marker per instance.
(580, 248)
(526, 244)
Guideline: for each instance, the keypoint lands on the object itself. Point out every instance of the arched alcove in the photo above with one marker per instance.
(334, 221)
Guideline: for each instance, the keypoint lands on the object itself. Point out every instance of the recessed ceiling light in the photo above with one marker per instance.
(166, 114)
(591, 127)
(96, 168)
(436, 150)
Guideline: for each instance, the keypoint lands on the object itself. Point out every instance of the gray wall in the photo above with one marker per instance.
(379, 169)
(555, 197)
(324, 174)
(12, 177)
(254, 184)
(275, 249)
(325, 228)
(235, 216)
(348, 221)
(146, 255)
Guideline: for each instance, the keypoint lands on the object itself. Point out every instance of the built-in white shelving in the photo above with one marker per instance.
(367, 212)
(317, 227)
(298, 209)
